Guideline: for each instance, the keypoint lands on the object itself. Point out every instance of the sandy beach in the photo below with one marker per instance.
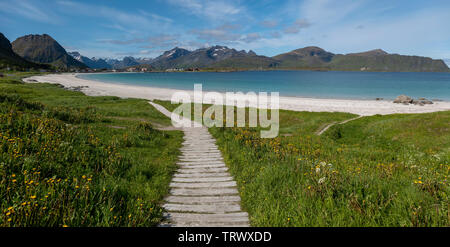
(360, 107)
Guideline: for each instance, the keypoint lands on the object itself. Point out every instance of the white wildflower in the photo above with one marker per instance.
(322, 180)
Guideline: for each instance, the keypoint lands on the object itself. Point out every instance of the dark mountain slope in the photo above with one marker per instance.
(246, 62)
(387, 63)
(308, 57)
(171, 59)
(44, 49)
(8, 58)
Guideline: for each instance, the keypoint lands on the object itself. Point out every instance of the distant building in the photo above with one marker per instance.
(174, 70)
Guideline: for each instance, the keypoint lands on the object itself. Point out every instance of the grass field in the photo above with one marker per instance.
(374, 171)
(75, 160)
(67, 159)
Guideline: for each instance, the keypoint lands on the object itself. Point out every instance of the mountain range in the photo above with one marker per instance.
(108, 63)
(222, 57)
(211, 57)
(127, 62)
(44, 49)
(93, 63)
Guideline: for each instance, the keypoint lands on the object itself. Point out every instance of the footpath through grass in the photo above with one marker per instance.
(67, 159)
(388, 170)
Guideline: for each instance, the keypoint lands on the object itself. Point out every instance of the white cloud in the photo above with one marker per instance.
(119, 19)
(134, 27)
(215, 35)
(411, 34)
(29, 10)
(251, 37)
(223, 33)
(215, 10)
(269, 23)
(155, 16)
(297, 26)
(328, 11)
(414, 33)
(161, 40)
(144, 52)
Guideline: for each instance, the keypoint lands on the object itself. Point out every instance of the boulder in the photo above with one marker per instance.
(421, 101)
(403, 99)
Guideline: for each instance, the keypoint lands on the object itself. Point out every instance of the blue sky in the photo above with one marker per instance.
(108, 28)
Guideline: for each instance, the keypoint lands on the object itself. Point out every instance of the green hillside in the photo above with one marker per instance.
(374, 60)
(389, 62)
(246, 62)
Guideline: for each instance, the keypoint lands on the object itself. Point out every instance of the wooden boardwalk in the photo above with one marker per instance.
(202, 192)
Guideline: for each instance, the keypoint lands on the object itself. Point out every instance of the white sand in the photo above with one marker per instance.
(360, 107)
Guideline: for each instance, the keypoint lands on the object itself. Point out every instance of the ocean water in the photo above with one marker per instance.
(330, 84)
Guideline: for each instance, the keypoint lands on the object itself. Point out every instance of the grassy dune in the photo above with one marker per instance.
(373, 171)
(67, 159)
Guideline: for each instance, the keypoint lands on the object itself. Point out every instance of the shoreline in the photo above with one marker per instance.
(77, 75)
(359, 107)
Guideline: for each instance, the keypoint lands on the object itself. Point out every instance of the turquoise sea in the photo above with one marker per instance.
(330, 84)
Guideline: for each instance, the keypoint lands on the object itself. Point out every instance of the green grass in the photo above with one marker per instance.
(373, 171)
(70, 159)
(98, 161)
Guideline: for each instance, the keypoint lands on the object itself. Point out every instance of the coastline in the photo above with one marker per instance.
(359, 107)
